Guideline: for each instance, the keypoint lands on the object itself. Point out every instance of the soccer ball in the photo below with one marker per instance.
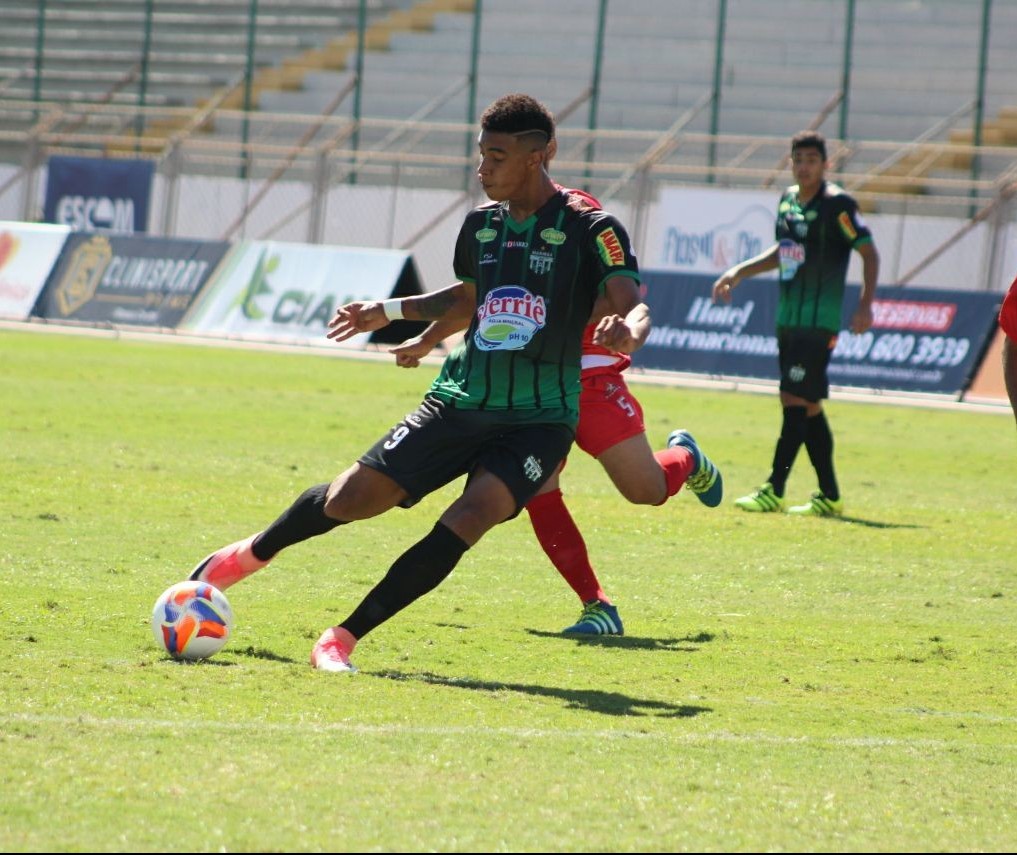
(192, 620)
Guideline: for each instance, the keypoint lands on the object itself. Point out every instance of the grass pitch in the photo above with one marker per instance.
(784, 684)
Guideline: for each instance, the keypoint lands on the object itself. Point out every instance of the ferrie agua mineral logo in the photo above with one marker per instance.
(509, 318)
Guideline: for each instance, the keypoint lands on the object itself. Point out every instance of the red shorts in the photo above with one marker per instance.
(608, 412)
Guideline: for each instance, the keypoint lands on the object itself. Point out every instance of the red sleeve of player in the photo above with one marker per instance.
(1008, 312)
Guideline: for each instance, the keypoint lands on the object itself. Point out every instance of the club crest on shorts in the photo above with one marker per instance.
(509, 318)
(532, 468)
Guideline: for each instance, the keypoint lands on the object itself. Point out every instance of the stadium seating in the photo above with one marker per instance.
(782, 62)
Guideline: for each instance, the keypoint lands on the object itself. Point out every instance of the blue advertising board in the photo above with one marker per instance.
(94, 194)
(921, 340)
(139, 281)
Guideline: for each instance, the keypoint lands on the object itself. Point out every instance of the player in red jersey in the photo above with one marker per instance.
(1008, 323)
(611, 429)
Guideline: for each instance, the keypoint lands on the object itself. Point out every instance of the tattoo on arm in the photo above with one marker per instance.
(436, 306)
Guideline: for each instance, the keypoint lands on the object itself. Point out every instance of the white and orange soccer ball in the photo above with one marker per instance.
(192, 620)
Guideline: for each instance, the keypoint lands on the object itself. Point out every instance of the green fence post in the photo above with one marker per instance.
(983, 59)
(359, 88)
(139, 122)
(845, 76)
(471, 94)
(40, 40)
(718, 71)
(598, 63)
(252, 26)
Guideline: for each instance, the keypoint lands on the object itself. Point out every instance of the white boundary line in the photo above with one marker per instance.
(722, 736)
(379, 353)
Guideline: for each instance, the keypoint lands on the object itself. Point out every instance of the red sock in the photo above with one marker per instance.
(560, 537)
(677, 464)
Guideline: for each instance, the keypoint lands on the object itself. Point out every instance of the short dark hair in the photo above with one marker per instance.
(809, 139)
(519, 115)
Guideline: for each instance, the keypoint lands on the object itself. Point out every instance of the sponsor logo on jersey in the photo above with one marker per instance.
(540, 262)
(553, 237)
(485, 235)
(610, 248)
(515, 244)
(791, 256)
(488, 258)
(846, 226)
(509, 318)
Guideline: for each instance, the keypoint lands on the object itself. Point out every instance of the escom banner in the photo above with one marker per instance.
(922, 339)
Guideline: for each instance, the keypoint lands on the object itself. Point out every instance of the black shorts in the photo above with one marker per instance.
(437, 443)
(804, 356)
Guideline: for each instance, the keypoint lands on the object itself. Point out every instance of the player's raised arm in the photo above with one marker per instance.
(453, 304)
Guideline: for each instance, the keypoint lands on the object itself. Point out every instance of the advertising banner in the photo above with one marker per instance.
(142, 281)
(921, 340)
(709, 230)
(94, 194)
(27, 254)
(287, 292)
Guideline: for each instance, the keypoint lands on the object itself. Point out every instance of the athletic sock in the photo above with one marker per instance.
(418, 570)
(304, 519)
(792, 436)
(563, 543)
(677, 463)
(819, 444)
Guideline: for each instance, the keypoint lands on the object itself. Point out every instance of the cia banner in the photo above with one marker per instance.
(922, 339)
(286, 292)
(139, 281)
(94, 194)
(27, 254)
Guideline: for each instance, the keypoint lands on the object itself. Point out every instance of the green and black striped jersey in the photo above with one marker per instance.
(814, 245)
(536, 283)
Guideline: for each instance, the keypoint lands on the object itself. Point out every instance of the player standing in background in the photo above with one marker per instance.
(817, 227)
(611, 430)
(504, 407)
(1008, 323)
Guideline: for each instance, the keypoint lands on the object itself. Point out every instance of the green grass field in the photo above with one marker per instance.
(784, 684)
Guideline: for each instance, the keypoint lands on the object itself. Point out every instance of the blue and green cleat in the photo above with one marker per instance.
(598, 618)
(705, 480)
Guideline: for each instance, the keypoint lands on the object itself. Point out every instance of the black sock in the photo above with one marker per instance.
(792, 435)
(418, 570)
(304, 519)
(819, 444)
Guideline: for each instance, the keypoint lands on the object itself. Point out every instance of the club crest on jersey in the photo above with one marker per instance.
(509, 318)
(610, 248)
(540, 262)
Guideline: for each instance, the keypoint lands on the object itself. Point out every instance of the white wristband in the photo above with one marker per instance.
(393, 309)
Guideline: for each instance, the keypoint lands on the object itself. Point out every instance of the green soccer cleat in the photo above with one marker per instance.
(763, 501)
(819, 506)
(598, 618)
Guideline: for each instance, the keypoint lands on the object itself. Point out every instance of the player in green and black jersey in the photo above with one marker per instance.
(504, 408)
(818, 226)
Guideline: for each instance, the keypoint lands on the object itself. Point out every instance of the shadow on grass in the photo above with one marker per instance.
(262, 653)
(631, 642)
(590, 700)
(870, 523)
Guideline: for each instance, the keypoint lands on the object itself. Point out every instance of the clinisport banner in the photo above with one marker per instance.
(95, 194)
(285, 292)
(921, 340)
(139, 281)
(27, 254)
